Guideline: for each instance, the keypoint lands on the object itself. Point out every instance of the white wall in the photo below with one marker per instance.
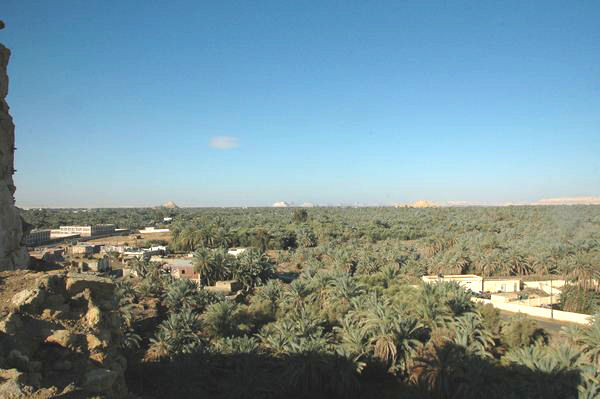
(539, 312)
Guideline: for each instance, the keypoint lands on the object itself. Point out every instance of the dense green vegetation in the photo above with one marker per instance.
(355, 322)
(332, 334)
(555, 240)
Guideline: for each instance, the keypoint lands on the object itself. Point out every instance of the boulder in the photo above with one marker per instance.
(13, 390)
(18, 360)
(63, 338)
(28, 300)
(99, 380)
(93, 342)
(55, 300)
(61, 329)
(62, 365)
(93, 317)
(54, 283)
(13, 384)
(101, 287)
(11, 324)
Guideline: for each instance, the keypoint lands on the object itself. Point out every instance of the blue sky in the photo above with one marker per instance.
(121, 103)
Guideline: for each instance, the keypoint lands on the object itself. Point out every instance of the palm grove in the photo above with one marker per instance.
(355, 322)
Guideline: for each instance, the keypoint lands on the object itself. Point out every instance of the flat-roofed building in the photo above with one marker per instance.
(58, 234)
(469, 281)
(96, 265)
(37, 237)
(177, 261)
(184, 272)
(225, 287)
(236, 251)
(153, 230)
(84, 250)
(502, 284)
(89, 231)
(478, 284)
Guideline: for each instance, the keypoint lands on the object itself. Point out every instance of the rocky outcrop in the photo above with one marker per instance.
(170, 205)
(60, 333)
(418, 204)
(13, 255)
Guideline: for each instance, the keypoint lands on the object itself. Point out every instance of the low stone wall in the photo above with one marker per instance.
(559, 315)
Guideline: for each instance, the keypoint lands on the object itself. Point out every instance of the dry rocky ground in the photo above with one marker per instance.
(59, 336)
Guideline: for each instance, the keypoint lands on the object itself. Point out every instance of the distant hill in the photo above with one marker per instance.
(418, 204)
(569, 201)
(170, 205)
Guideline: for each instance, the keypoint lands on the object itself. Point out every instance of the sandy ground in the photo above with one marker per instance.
(131, 239)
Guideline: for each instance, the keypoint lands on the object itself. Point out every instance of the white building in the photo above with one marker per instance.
(153, 230)
(236, 251)
(89, 231)
(478, 284)
(469, 281)
(37, 237)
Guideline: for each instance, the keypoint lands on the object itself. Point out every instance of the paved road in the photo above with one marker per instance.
(551, 326)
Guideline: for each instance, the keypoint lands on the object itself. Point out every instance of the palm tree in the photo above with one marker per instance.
(220, 319)
(277, 337)
(296, 294)
(390, 274)
(188, 239)
(441, 371)
(139, 267)
(178, 334)
(263, 238)
(271, 292)
(486, 266)
(587, 339)
(182, 293)
(343, 288)
(203, 265)
(353, 341)
(517, 264)
(392, 338)
(251, 269)
(583, 269)
(235, 345)
(222, 263)
(471, 334)
(305, 237)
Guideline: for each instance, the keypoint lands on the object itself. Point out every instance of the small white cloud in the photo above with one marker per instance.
(224, 142)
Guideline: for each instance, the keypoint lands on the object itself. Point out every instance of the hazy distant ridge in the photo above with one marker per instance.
(569, 201)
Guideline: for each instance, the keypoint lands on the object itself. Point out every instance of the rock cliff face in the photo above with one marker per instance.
(13, 255)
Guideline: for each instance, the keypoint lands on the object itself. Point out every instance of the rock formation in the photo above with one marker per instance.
(60, 336)
(13, 255)
(418, 204)
(170, 205)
